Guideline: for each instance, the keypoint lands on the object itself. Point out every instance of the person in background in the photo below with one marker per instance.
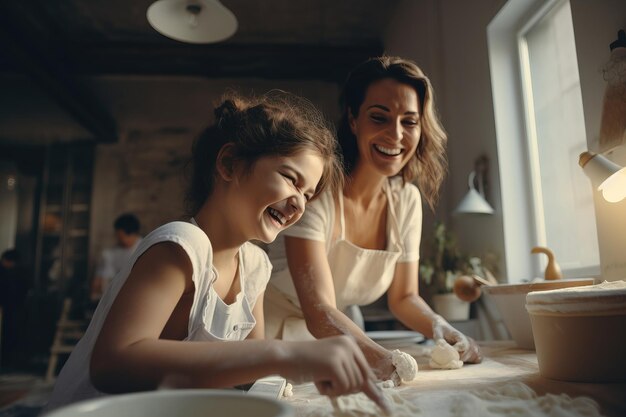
(356, 243)
(112, 260)
(14, 287)
(190, 287)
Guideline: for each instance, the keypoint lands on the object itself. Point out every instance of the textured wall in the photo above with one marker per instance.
(159, 119)
(143, 175)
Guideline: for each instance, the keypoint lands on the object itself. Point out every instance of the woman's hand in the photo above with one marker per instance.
(473, 353)
(466, 346)
(337, 367)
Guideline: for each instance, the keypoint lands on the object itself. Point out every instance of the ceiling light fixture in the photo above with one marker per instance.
(192, 21)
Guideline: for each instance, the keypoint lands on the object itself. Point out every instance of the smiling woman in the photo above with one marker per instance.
(362, 240)
(203, 281)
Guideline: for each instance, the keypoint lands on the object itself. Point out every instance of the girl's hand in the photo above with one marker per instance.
(384, 368)
(336, 365)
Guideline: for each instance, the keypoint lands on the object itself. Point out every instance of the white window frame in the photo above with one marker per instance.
(516, 149)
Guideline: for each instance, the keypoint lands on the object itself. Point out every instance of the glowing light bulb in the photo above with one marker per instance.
(614, 188)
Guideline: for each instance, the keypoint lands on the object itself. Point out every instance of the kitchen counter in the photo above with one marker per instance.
(435, 391)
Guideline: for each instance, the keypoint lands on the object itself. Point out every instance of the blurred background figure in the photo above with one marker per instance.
(14, 286)
(113, 259)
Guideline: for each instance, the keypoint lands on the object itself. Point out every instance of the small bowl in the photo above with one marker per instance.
(511, 302)
(579, 332)
(183, 402)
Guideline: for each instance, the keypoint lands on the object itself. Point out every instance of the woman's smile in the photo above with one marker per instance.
(391, 152)
(387, 127)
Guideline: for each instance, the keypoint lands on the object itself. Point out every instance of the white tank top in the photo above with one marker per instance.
(209, 319)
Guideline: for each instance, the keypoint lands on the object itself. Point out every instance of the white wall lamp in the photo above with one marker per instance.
(607, 176)
(604, 174)
(192, 21)
(474, 201)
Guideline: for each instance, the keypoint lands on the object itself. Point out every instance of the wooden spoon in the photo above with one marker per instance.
(467, 288)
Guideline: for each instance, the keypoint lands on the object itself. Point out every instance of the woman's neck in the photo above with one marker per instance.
(364, 186)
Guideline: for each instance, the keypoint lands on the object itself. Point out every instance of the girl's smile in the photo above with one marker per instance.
(277, 189)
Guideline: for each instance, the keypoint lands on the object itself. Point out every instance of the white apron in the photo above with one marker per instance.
(360, 276)
(213, 320)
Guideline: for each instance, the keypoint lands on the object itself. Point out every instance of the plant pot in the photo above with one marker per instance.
(451, 307)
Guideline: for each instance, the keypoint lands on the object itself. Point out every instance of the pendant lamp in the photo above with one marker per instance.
(192, 21)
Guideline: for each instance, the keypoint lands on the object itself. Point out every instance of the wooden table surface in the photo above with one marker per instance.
(503, 364)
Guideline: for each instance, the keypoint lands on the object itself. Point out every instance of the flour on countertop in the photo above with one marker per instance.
(358, 405)
(517, 399)
(444, 356)
(513, 399)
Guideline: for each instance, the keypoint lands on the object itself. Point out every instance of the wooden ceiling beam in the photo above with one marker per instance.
(27, 49)
(270, 61)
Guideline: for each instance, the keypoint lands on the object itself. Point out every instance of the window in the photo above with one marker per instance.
(563, 203)
(546, 199)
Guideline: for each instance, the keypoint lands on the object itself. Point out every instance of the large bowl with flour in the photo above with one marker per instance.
(184, 402)
(511, 302)
(579, 332)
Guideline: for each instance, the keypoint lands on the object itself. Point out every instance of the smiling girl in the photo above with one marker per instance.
(193, 291)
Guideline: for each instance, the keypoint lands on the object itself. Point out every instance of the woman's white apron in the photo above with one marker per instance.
(360, 276)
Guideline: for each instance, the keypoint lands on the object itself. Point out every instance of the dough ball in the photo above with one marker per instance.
(444, 356)
(405, 364)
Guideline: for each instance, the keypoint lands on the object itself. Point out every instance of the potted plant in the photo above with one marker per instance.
(439, 271)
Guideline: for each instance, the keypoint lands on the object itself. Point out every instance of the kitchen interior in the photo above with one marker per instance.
(98, 112)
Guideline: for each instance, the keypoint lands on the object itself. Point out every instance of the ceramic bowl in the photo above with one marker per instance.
(184, 402)
(511, 302)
